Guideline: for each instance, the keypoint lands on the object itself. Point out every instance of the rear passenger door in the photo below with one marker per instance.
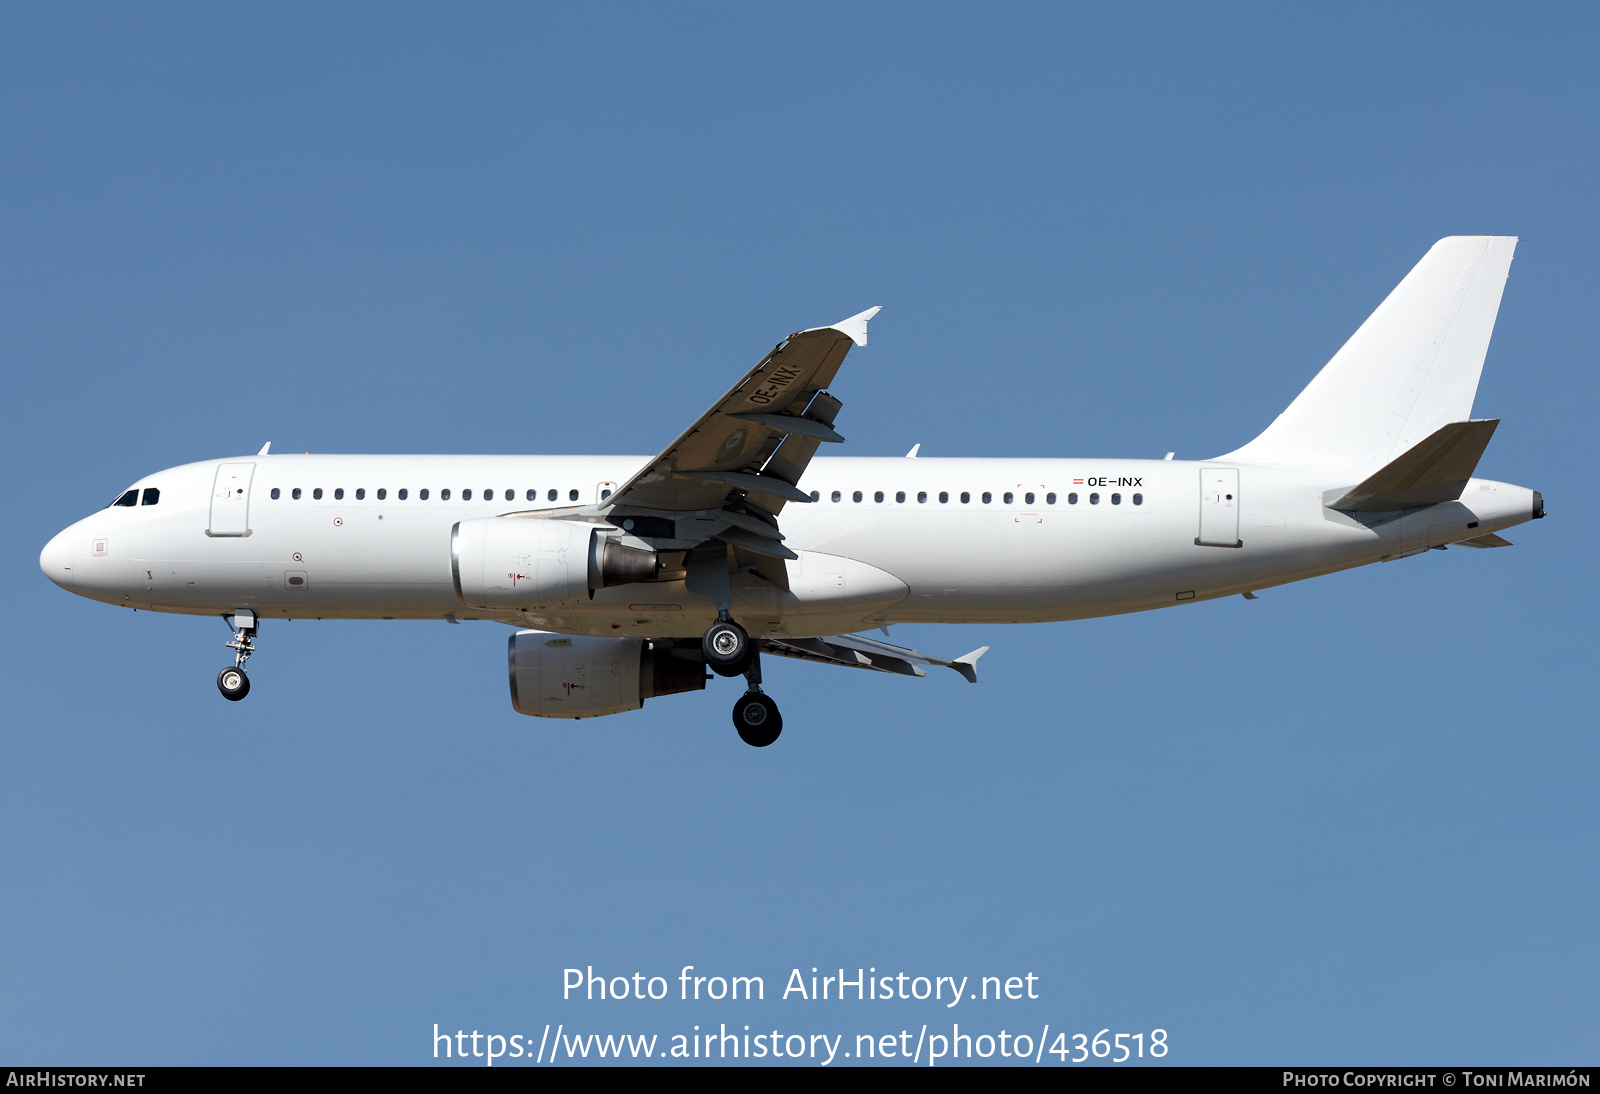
(1219, 507)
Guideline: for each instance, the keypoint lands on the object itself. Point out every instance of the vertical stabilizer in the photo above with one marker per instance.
(1410, 369)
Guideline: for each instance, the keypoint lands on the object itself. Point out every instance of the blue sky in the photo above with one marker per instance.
(1351, 821)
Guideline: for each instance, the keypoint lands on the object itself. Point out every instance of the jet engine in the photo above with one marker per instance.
(560, 676)
(518, 563)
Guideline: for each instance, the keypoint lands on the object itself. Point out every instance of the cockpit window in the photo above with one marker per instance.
(130, 498)
(151, 496)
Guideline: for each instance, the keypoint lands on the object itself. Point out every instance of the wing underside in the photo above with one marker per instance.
(856, 652)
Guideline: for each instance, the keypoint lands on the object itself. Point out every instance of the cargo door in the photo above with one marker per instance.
(230, 500)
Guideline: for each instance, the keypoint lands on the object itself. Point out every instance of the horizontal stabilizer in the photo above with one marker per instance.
(1434, 470)
(1490, 540)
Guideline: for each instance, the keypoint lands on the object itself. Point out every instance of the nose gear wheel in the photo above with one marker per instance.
(233, 684)
(232, 681)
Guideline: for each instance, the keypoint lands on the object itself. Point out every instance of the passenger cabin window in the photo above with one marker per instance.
(317, 493)
(604, 494)
(815, 496)
(488, 495)
(1072, 499)
(1138, 499)
(922, 497)
(295, 493)
(1049, 499)
(422, 495)
(361, 493)
(444, 495)
(275, 493)
(382, 493)
(900, 496)
(944, 497)
(987, 497)
(1028, 497)
(511, 495)
(856, 496)
(836, 495)
(551, 496)
(965, 497)
(401, 494)
(572, 495)
(466, 495)
(151, 496)
(1116, 499)
(533, 495)
(1007, 497)
(1094, 499)
(878, 496)
(338, 494)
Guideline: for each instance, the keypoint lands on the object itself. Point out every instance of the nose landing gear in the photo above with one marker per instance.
(755, 715)
(233, 684)
(232, 681)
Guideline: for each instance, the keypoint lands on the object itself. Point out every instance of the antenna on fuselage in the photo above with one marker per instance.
(264, 449)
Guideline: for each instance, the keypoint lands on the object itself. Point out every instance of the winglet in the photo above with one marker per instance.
(967, 664)
(265, 449)
(856, 325)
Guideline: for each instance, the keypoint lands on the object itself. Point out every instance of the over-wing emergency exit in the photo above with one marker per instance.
(629, 577)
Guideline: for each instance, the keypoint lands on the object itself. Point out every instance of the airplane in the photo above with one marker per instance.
(627, 577)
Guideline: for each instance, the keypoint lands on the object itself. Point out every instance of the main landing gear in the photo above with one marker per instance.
(727, 647)
(729, 652)
(232, 681)
(755, 715)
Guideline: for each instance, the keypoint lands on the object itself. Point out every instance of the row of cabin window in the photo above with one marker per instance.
(151, 497)
(966, 498)
(422, 495)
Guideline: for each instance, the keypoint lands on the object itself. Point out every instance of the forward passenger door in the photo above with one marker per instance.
(230, 500)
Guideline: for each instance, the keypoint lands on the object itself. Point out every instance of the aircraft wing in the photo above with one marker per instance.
(751, 447)
(856, 652)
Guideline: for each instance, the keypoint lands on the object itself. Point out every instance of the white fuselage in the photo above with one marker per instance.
(862, 563)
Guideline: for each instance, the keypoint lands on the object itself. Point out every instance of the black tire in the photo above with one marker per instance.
(233, 684)
(756, 718)
(727, 648)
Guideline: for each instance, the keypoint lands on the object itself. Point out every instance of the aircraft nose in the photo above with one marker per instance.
(56, 560)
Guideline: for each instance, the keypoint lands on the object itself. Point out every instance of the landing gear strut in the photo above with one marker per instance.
(755, 715)
(727, 647)
(232, 681)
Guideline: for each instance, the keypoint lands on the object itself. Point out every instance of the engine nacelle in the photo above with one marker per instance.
(518, 563)
(561, 676)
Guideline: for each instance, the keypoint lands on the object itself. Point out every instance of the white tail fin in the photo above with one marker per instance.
(1411, 368)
